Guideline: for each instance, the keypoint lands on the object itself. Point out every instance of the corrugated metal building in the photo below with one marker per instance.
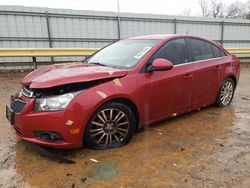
(24, 27)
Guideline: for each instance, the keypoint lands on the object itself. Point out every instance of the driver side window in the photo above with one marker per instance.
(175, 51)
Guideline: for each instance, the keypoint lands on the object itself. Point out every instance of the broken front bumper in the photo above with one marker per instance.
(27, 124)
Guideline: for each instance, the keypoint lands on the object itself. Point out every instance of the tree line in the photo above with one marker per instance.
(218, 9)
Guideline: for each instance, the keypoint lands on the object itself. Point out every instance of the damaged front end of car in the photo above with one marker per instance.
(39, 114)
(55, 102)
(57, 98)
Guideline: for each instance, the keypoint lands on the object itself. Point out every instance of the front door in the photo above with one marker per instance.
(169, 92)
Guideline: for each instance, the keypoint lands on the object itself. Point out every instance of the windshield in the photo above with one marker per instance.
(123, 54)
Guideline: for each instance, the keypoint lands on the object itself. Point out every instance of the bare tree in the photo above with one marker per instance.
(235, 10)
(247, 10)
(216, 8)
(204, 8)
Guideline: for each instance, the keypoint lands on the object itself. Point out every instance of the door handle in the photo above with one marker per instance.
(188, 76)
(234, 63)
(217, 67)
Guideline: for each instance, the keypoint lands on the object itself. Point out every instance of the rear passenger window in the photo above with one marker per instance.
(201, 50)
(217, 52)
(174, 51)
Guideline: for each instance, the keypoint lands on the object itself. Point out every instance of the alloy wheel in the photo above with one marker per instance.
(226, 93)
(109, 127)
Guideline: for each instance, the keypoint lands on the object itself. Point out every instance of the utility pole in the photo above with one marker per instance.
(118, 20)
(118, 7)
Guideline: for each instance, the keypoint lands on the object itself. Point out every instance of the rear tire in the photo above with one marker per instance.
(111, 126)
(226, 93)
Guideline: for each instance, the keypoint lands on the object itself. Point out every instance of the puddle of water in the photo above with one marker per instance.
(105, 171)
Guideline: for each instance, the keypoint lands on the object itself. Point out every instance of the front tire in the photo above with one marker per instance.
(111, 126)
(226, 93)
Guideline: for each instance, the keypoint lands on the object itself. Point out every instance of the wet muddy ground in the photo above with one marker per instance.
(206, 148)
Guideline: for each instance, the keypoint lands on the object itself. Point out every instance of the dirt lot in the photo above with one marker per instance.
(206, 148)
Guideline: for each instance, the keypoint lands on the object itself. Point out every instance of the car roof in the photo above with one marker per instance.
(157, 36)
(166, 36)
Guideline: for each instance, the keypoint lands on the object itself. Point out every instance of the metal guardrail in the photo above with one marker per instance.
(239, 50)
(45, 52)
(242, 53)
(60, 52)
(53, 52)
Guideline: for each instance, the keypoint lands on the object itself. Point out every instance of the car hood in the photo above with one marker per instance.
(61, 74)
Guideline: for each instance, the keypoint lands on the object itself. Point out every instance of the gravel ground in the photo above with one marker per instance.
(206, 148)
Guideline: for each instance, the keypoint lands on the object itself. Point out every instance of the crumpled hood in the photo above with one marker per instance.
(60, 74)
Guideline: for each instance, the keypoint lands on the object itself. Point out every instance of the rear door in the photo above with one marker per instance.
(207, 71)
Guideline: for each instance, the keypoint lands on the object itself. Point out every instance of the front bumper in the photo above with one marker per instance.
(68, 124)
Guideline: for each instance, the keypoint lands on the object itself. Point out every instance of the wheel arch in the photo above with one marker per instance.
(218, 101)
(121, 100)
(233, 78)
(128, 103)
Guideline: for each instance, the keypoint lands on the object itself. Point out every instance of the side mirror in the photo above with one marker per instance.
(160, 65)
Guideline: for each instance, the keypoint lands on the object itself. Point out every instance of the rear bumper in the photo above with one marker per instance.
(68, 124)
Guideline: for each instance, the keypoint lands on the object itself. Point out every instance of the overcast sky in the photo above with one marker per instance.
(170, 7)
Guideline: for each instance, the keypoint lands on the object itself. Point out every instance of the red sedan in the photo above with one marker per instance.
(101, 102)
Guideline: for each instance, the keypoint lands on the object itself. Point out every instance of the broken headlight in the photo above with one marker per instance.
(54, 103)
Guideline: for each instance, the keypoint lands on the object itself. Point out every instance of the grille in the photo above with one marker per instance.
(17, 105)
(26, 92)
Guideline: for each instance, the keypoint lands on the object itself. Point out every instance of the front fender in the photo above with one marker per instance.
(88, 101)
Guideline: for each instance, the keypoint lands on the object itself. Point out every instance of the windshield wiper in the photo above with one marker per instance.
(97, 63)
(101, 64)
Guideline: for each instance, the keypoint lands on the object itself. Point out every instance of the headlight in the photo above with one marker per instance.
(54, 103)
